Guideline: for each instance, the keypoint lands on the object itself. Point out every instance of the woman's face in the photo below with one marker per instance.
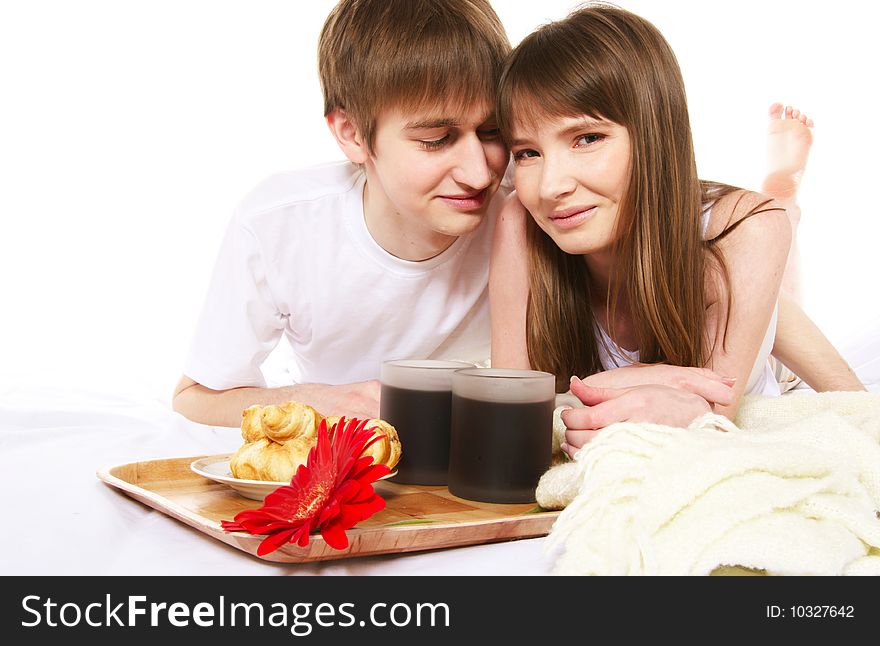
(571, 174)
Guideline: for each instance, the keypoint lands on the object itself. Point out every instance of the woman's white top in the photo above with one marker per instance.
(761, 381)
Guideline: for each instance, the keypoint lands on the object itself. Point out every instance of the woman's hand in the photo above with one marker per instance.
(700, 381)
(605, 406)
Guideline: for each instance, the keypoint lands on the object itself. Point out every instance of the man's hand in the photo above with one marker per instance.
(606, 406)
(360, 399)
(224, 407)
(700, 381)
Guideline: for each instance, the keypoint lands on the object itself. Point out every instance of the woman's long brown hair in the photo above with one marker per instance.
(607, 63)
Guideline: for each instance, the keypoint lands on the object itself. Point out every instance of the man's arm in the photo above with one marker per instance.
(224, 407)
(802, 347)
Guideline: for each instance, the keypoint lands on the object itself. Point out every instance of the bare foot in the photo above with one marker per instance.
(789, 140)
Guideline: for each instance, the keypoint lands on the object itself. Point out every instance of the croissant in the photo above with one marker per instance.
(277, 439)
(385, 451)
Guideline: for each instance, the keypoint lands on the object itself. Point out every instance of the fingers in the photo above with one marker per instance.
(373, 388)
(714, 376)
(595, 417)
(568, 450)
(712, 391)
(364, 400)
(706, 383)
(604, 407)
(590, 395)
(574, 440)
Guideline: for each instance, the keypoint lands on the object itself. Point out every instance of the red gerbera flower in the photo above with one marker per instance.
(332, 492)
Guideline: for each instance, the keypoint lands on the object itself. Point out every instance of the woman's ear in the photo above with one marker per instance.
(347, 136)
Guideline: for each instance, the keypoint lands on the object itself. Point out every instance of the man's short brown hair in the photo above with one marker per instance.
(411, 55)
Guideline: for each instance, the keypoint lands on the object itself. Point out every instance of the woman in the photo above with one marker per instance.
(631, 258)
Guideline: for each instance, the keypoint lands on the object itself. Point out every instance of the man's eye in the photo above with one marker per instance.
(527, 153)
(434, 144)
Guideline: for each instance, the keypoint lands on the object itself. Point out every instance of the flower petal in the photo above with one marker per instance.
(330, 493)
(232, 526)
(274, 541)
(302, 535)
(334, 535)
(372, 473)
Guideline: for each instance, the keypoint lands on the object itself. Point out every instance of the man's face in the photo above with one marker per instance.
(435, 172)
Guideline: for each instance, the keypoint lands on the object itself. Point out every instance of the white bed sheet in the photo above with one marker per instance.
(61, 519)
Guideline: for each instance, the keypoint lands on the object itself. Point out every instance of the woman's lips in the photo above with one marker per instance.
(570, 218)
(466, 201)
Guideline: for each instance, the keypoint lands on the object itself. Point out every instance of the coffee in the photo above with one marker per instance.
(502, 433)
(421, 418)
(416, 399)
(499, 449)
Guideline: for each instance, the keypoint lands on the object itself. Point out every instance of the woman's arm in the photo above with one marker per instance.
(802, 347)
(509, 286)
(509, 293)
(712, 387)
(624, 395)
(754, 252)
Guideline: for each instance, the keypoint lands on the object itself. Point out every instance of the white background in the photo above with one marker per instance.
(129, 130)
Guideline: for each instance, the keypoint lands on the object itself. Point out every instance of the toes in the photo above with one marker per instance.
(792, 113)
(776, 111)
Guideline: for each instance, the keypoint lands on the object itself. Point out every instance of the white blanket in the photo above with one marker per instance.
(796, 491)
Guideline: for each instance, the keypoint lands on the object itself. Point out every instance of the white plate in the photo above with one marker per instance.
(217, 468)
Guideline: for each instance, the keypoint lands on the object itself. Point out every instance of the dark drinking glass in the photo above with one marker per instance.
(416, 400)
(502, 430)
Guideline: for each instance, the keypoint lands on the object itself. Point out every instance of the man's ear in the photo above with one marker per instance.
(347, 136)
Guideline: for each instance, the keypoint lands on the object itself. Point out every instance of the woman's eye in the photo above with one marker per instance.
(521, 155)
(586, 140)
(434, 144)
(489, 134)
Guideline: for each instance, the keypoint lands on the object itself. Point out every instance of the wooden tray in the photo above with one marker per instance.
(415, 517)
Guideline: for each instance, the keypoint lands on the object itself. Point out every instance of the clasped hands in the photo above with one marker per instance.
(659, 394)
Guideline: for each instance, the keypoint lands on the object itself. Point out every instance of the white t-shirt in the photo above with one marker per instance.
(297, 260)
